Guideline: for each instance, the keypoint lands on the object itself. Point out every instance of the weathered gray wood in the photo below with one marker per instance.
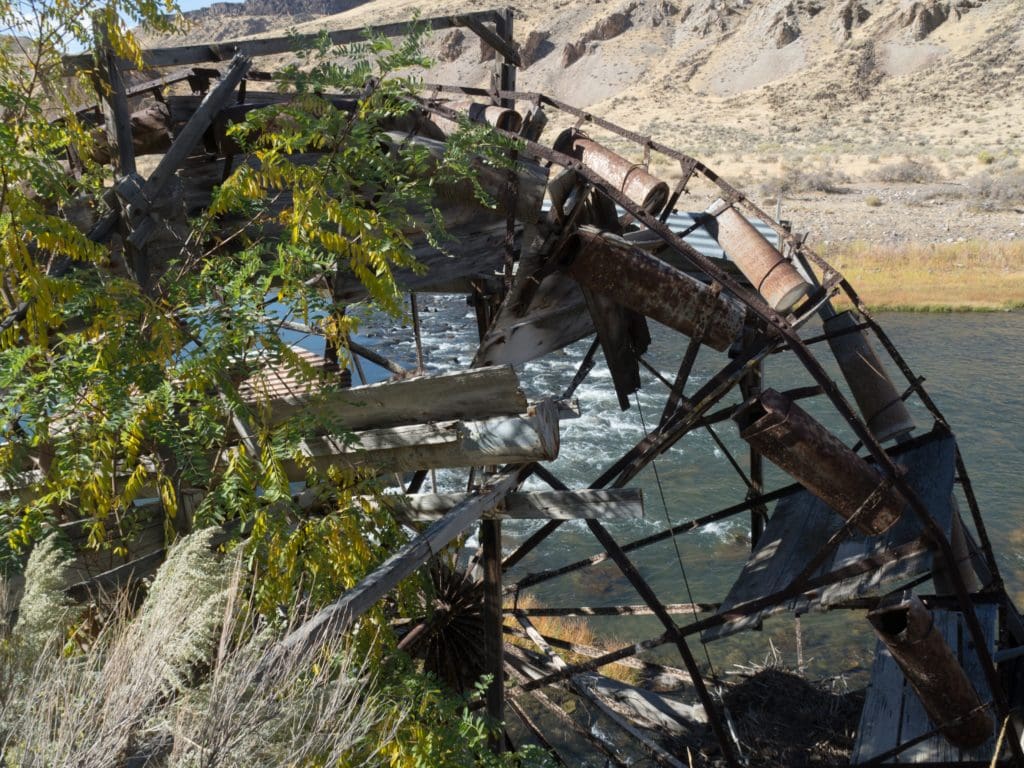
(676, 609)
(512, 440)
(114, 105)
(581, 684)
(181, 148)
(222, 51)
(615, 504)
(893, 714)
(555, 317)
(648, 709)
(474, 394)
(802, 523)
(337, 617)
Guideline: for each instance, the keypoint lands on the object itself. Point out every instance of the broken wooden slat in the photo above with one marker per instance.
(474, 394)
(617, 504)
(676, 609)
(339, 616)
(511, 440)
(801, 523)
(646, 708)
(555, 317)
(579, 684)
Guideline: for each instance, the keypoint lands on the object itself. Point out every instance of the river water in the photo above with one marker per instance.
(973, 364)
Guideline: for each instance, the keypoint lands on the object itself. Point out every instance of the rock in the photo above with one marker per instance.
(849, 15)
(612, 26)
(452, 45)
(573, 52)
(536, 46)
(922, 17)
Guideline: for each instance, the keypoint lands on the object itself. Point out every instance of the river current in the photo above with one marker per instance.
(973, 365)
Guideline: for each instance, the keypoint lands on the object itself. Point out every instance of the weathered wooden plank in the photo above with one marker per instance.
(511, 440)
(648, 709)
(616, 504)
(224, 50)
(881, 716)
(802, 523)
(580, 684)
(339, 616)
(474, 394)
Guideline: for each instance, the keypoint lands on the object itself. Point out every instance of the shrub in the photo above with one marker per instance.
(796, 179)
(873, 201)
(908, 172)
(986, 158)
(995, 191)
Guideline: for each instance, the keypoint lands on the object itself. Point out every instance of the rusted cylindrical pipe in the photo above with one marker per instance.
(633, 180)
(791, 439)
(884, 412)
(499, 117)
(772, 275)
(609, 265)
(908, 630)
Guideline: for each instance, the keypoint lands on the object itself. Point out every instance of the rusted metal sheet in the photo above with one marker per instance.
(610, 265)
(788, 437)
(632, 179)
(884, 412)
(775, 278)
(908, 630)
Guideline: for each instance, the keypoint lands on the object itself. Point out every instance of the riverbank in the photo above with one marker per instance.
(976, 275)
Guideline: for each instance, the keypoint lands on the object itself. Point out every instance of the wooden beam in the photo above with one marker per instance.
(222, 51)
(675, 609)
(339, 616)
(475, 394)
(141, 199)
(617, 504)
(503, 440)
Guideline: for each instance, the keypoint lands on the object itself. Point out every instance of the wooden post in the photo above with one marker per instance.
(490, 542)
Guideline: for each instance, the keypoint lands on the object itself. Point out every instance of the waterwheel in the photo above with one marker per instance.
(847, 501)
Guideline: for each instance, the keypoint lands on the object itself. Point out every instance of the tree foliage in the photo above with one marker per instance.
(115, 393)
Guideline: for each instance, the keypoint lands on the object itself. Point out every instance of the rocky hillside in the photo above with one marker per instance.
(755, 86)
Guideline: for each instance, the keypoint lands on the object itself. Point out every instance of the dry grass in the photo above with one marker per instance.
(945, 277)
(571, 629)
(189, 681)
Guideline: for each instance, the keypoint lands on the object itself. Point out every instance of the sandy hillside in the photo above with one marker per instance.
(821, 101)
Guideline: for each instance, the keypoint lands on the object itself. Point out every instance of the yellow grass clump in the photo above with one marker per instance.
(941, 277)
(572, 629)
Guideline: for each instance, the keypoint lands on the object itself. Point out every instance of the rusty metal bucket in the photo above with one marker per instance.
(771, 274)
(488, 114)
(633, 180)
(791, 439)
(884, 412)
(908, 630)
